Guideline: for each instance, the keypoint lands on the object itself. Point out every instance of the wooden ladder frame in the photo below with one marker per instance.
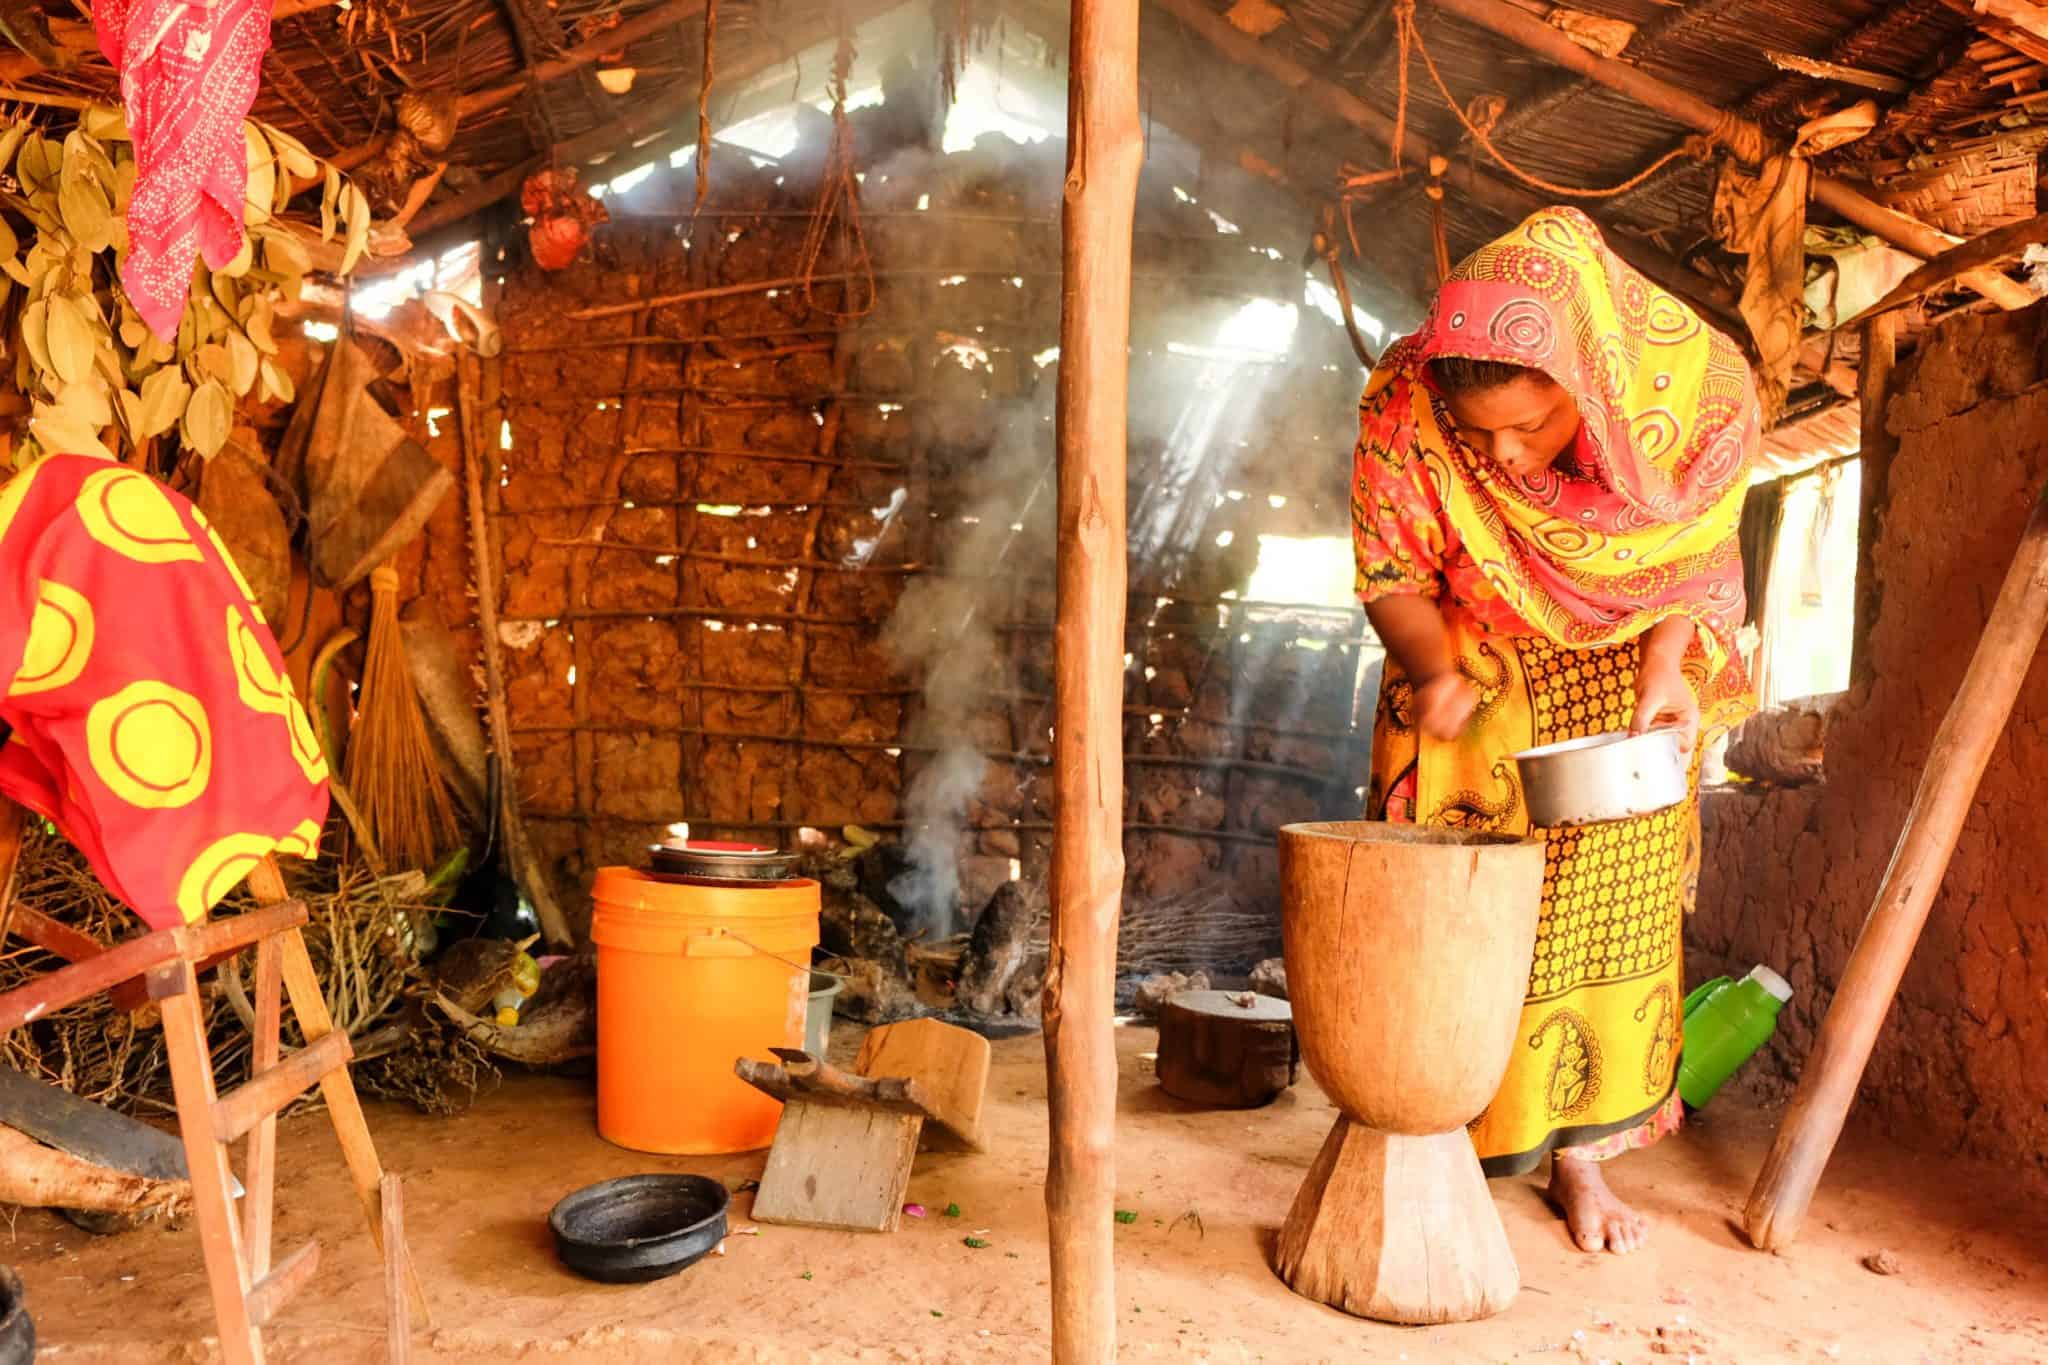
(247, 1289)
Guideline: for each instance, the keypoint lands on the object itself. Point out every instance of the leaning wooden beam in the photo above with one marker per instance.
(1987, 249)
(1526, 30)
(1105, 147)
(1948, 789)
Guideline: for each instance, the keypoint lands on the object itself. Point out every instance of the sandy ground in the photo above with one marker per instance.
(1193, 1285)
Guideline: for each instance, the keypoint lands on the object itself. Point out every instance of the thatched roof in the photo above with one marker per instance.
(1955, 145)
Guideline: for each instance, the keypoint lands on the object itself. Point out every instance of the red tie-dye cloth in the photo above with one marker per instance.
(188, 77)
(152, 720)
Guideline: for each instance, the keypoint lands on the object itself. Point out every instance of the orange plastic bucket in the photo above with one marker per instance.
(689, 980)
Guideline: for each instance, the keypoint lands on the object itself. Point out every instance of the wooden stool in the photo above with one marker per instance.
(843, 1149)
(248, 1291)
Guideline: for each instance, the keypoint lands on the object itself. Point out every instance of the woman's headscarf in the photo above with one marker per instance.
(1669, 424)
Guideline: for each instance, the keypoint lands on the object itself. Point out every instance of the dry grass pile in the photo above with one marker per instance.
(361, 935)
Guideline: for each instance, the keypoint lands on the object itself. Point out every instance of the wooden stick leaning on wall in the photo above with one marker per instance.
(1105, 146)
(1525, 30)
(1948, 788)
(484, 560)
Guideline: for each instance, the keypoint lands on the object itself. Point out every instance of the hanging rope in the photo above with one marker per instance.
(838, 208)
(1732, 131)
(704, 107)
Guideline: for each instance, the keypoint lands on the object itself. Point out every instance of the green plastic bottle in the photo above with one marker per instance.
(1725, 1023)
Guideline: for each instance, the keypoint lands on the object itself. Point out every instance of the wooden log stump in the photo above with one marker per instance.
(1226, 1049)
(1399, 1229)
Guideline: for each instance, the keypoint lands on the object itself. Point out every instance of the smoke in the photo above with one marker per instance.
(945, 628)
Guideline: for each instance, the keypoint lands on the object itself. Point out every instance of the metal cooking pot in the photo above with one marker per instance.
(1603, 777)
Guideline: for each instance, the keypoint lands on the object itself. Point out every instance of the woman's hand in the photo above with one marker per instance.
(1664, 701)
(1444, 705)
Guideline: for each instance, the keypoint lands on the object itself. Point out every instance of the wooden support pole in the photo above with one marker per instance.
(1948, 788)
(1873, 393)
(1526, 30)
(1105, 147)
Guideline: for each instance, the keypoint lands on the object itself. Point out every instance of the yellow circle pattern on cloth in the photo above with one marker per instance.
(260, 687)
(133, 517)
(151, 744)
(59, 641)
(303, 842)
(218, 870)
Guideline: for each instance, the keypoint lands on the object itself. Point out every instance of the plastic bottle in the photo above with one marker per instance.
(1725, 1023)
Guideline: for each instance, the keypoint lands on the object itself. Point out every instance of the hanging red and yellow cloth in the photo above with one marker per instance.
(188, 76)
(151, 718)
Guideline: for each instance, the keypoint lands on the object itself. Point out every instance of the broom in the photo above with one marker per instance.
(392, 769)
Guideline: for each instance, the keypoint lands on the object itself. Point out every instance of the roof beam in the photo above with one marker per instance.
(1526, 31)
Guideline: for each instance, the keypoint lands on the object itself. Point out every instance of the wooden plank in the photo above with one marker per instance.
(1985, 249)
(270, 1294)
(248, 1105)
(1105, 146)
(52, 936)
(950, 1065)
(260, 1203)
(1948, 789)
(227, 1275)
(1873, 393)
(838, 1166)
(68, 985)
(397, 1302)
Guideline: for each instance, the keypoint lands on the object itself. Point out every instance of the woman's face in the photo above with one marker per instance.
(1523, 426)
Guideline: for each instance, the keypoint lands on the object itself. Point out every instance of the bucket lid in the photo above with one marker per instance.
(1779, 988)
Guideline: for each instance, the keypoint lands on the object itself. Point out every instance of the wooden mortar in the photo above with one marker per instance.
(1408, 952)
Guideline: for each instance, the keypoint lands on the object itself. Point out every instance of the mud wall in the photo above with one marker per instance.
(1789, 875)
(709, 510)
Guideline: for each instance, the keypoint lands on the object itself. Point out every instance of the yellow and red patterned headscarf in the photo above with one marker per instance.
(1646, 526)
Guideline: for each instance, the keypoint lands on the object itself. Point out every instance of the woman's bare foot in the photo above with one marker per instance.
(1595, 1216)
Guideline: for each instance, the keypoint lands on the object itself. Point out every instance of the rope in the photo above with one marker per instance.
(839, 205)
(1732, 131)
(704, 105)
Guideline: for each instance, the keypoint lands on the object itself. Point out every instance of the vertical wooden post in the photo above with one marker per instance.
(1948, 789)
(1873, 391)
(1105, 146)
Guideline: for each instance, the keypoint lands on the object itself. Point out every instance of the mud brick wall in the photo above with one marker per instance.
(709, 510)
(1789, 875)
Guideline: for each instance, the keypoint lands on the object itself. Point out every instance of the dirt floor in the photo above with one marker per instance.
(1209, 1189)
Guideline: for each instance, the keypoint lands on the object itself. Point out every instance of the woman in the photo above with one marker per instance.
(1546, 493)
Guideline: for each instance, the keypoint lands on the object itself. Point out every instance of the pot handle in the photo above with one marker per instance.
(1698, 995)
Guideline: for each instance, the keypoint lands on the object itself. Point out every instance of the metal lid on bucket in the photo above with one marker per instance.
(710, 860)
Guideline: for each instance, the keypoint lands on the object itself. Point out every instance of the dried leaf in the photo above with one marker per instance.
(90, 400)
(330, 204)
(164, 395)
(11, 139)
(106, 122)
(208, 415)
(87, 215)
(70, 339)
(59, 432)
(262, 177)
(244, 358)
(258, 324)
(286, 254)
(38, 164)
(292, 154)
(213, 359)
(277, 383)
(356, 210)
(35, 333)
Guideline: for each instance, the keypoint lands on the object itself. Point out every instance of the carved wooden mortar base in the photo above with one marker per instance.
(1399, 1229)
